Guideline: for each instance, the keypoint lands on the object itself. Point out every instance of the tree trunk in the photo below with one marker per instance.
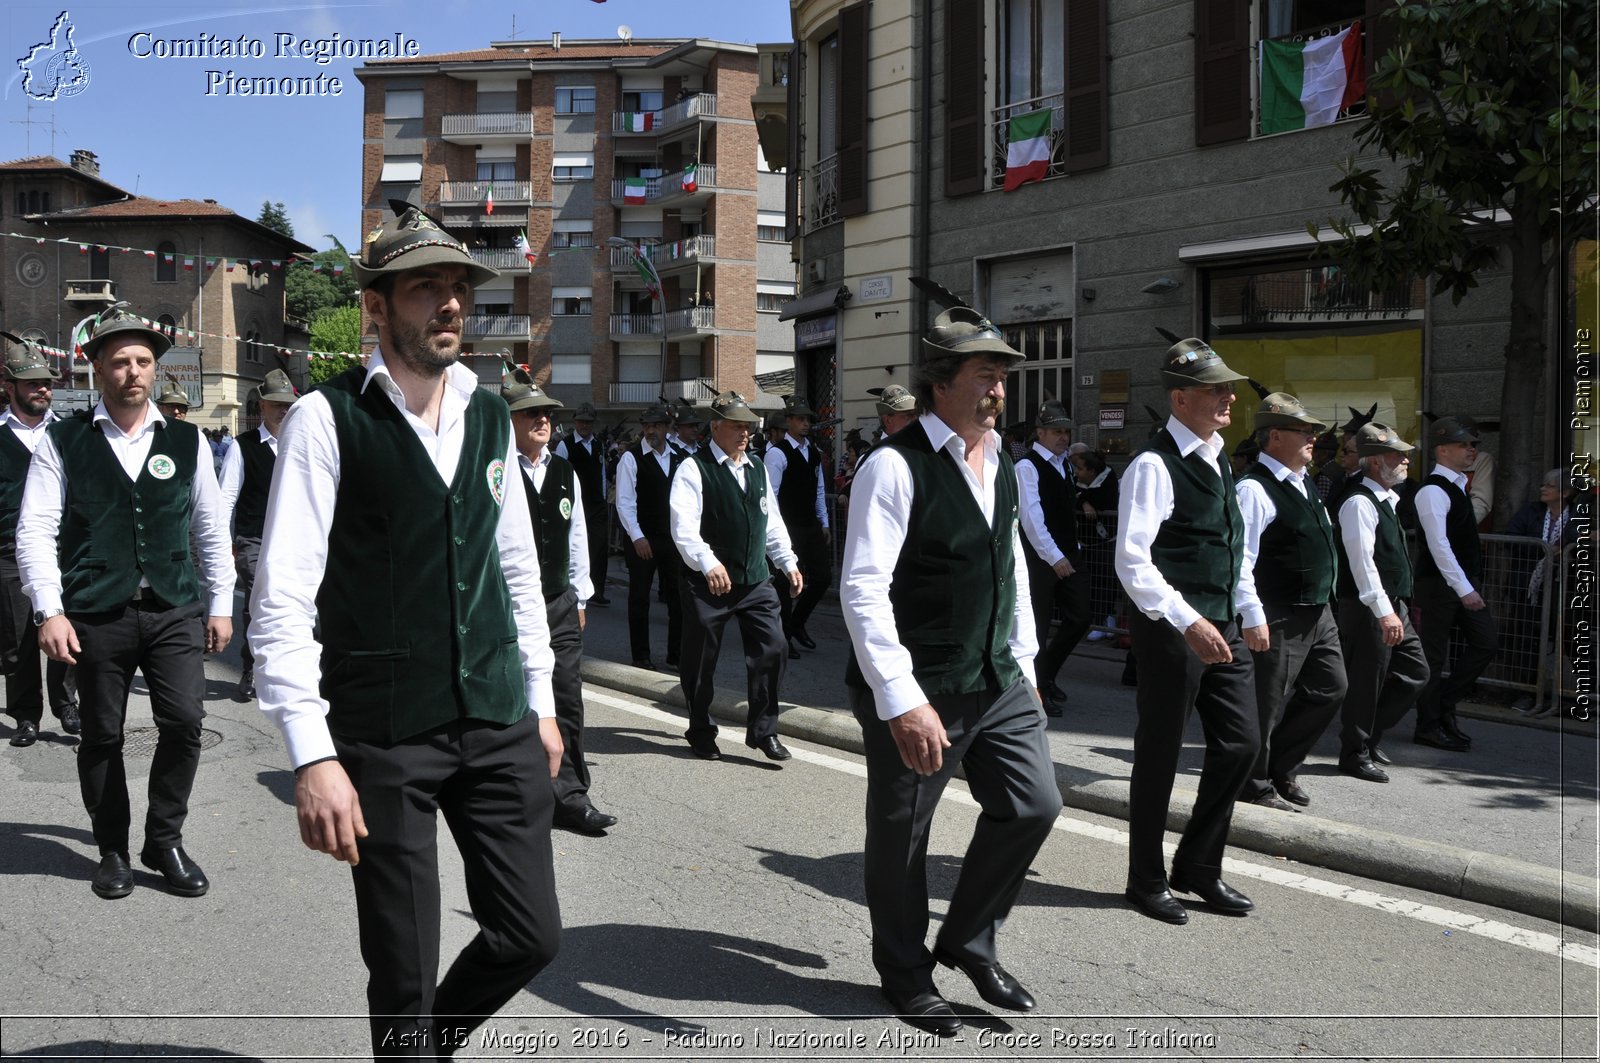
(1523, 426)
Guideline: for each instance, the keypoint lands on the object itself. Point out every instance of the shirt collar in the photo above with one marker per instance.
(722, 457)
(152, 417)
(940, 434)
(1044, 452)
(530, 464)
(796, 442)
(1279, 469)
(1386, 493)
(1457, 478)
(8, 415)
(264, 434)
(463, 380)
(1188, 442)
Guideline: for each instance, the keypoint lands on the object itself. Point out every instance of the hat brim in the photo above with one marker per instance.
(159, 342)
(429, 255)
(971, 349)
(1399, 446)
(285, 397)
(42, 372)
(743, 416)
(1216, 374)
(1283, 420)
(533, 402)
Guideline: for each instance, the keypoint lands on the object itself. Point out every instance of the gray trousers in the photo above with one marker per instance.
(1300, 684)
(1384, 680)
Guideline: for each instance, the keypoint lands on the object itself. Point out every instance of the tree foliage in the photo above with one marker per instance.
(309, 292)
(276, 217)
(335, 330)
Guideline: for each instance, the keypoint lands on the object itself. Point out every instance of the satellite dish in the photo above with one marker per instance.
(625, 32)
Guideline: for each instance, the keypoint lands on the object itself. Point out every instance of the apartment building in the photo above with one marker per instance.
(600, 153)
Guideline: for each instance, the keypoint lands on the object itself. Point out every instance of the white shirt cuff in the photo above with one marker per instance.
(900, 696)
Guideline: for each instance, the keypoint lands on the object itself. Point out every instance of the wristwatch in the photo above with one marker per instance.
(41, 615)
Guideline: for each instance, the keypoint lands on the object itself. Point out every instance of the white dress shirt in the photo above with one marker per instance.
(294, 558)
(577, 532)
(777, 462)
(45, 495)
(1145, 503)
(1259, 511)
(231, 480)
(591, 446)
(1358, 530)
(687, 502)
(880, 507)
(1432, 507)
(1032, 513)
(28, 435)
(627, 487)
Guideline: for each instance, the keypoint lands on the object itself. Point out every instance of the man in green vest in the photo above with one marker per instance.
(29, 380)
(246, 478)
(1286, 587)
(1383, 656)
(400, 639)
(555, 507)
(173, 401)
(935, 597)
(1180, 545)
(726, 525)
(104, 548)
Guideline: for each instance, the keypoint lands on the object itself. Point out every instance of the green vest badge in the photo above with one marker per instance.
(763, 505)
(161, 467)
(566, 509)
(496, 475)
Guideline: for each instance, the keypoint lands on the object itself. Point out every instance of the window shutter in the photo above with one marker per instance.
(965, 131)
(852, 124)
(1088, 127)
(792, 172)
(1221, 71)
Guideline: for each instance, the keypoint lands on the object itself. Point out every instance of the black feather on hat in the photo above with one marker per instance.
(1357, 419)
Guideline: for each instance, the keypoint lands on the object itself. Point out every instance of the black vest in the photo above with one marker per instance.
(551, 509)
(1461, 529)
(797, 494)
(1389, 553)
(733, 522)
(1297, 563)
(650, 490)
(14, 460)
(588, 469)
(1200, 547)
(250, 511)
(1058, 498)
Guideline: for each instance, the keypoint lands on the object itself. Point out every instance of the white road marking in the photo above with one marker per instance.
(1536, 940)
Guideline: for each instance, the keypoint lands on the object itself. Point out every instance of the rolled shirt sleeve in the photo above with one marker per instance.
(1358, 531)
(1146, 501)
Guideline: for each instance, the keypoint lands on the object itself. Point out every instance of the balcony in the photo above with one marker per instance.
(90, 293)
(1000, 135)
(636, 392)
(666, 256)
(473, 193)
(499, 326)
(666, 188)
(653, 123)
(694, 389)
(770, 104)
(691, 321)
(498, 257)
(821, 190)
(635, 326)
(486, 128)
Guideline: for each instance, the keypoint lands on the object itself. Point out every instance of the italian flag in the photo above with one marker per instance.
(1027, 148)
(633, 189)
(641, 121)
(688, 179)
(1307, 83)
(488, 199)
(526, 251)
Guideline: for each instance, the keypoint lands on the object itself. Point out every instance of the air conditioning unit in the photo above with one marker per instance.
(816, 271)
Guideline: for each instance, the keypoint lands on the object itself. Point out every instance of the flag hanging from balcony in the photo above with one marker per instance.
(647, 270)
(641, 121)
(488, 199)
(527, 252)
(1307, 83)
(633, 189)
(688, 179)
(1027, 148)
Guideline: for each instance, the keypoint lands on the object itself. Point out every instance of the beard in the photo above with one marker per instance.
(417, 350)
(1389, 477)
(35, 406)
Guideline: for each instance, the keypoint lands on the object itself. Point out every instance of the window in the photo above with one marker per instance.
(402, 169)
(169, 326)
(575, 99)
(99, 263)
(569, 369)
(573, 168)
(772, 302)
(1284, 29)
(567, 234)
(252, 348)
(1033, 36)
(497, 170)
(1047, 372)
(643, 100)
(571, 302)
(166, 262)
(828, 97)
(402, 103)
(769, 226)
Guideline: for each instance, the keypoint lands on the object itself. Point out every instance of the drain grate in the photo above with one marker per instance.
(141, 741)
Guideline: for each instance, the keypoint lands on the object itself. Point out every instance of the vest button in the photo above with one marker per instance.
(460, 541)
(466, 673)
(461, 586)
(138, 509)
(455, 500)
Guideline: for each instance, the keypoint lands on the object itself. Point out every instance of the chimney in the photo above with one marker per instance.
(555, 40)
(86, 162)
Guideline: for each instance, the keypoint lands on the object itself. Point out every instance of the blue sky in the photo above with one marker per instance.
(158, 133)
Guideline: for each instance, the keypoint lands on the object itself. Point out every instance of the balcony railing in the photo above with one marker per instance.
(822, 193)
(700, 105)
(455, 193)
(691, 319)
(498, 257)
(635, 324)
(666, 254)
(1356, 109)
(517, 123)
(91, 291)
(1001, 129)
(636, 391)
(486, 326)
(697, 388)
(667, 185)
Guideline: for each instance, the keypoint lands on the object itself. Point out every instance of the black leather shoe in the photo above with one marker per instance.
(27, 734)
(1362, 768)
(113, 878)
(1217, 893)
(1439, 739)
(772, 747)
(804, 638)
(590, 821)
(1376, 755)
(1160, 905)
(247, 687)
(1054, 699)
(1270, 799)
(705, 749)
(599, 601)
(1292, 792)
(71, 723)
(794, 653)
(926, 1010)
(668, 667)
(644, 662)
(992, 982)
(1447, 724)
(183, 876)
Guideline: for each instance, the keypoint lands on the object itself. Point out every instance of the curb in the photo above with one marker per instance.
(1451, 871)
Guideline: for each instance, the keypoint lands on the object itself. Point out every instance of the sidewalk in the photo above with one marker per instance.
(1513, 823)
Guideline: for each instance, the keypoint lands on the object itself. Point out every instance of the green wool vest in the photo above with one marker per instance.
(1297, 563)
(1200, 548)
(14, 460)
(416, 622)
(733, 522)
(551, 509)
(115, 530)
(1389, 552)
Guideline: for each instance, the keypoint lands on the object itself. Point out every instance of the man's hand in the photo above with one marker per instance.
(1473, 601)
(1258, 639)
(1207, 642)
(797, 583)
(219, 632)
(583, 619)
(921, 737)
(1392, 629)
(641, 547)
(1063, 568)
(719, 581)
(550, 736)
(329, 811)
(59, 640)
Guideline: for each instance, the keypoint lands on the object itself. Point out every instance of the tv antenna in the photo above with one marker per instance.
(625, 32)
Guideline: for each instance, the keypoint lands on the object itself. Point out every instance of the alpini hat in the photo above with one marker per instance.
(25, 361)
(894, 399)
(1282, 410)
(1053, 415)
(1191, 363)
(521, 393)
(277, 388)
(172, 394)
(730, 406)
(657, 414)
(689, 414)
(412, 240)
(797, 406)
(1454, 430)
(584, 412)
(962, 332)
(1375, 438)
(119, 319)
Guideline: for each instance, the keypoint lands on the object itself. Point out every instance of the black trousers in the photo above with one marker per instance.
(664, 564)
(571, 785)
(1300, 684)
(168, 646)
(493, 786)
(1439, 612)
(755, 608)
(595, 515)
(998, 738)
(815, 556)
(1172, 681)
(19, 653)
(1384, 680)
(1072, 595)
(246, 556)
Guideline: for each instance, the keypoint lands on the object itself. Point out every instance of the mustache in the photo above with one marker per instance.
(990, 404)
